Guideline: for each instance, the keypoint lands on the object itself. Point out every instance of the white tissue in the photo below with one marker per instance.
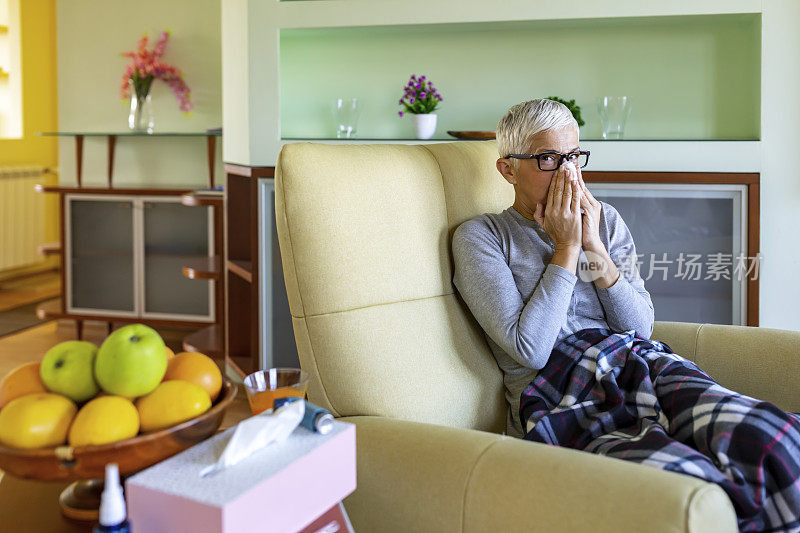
(257, 432)
(569, 166)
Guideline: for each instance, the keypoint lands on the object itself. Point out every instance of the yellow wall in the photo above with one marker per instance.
(39, 98)
(39, 93)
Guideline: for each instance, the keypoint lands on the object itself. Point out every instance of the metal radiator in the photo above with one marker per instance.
(22, 216)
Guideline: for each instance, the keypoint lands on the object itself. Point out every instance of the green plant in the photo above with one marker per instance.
(574, 108)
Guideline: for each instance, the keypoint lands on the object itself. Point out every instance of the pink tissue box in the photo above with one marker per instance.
(282, 488)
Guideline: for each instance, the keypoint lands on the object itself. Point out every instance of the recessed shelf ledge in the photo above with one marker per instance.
(635, 156)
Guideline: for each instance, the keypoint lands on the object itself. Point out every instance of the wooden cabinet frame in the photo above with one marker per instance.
(58, 309)
(750, 180)
(138, 252)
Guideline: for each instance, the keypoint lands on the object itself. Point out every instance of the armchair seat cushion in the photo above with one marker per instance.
(423, 477)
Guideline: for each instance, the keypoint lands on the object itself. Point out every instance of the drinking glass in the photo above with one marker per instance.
(265, 386)
(346, 112)
(614, 112)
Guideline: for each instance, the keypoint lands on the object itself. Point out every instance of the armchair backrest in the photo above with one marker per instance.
(364, 234)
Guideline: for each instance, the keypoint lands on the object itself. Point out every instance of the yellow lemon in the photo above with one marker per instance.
(171, 403)
(103, 420)
(38, 420)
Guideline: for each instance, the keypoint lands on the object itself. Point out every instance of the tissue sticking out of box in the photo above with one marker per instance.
(572, 171)
(257, 432)
(569, 166)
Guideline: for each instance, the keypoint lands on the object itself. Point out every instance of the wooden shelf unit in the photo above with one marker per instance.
(49, 248)
(203, 268)
(207, 341)
(196, 198)
(243, 269)
(241, 332)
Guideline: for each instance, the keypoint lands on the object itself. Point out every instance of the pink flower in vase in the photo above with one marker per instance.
(147, 66)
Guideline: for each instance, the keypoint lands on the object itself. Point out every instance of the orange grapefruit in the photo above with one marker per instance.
(198, 369)
(24, 379)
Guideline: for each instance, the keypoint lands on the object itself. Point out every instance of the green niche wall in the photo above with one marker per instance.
(689, 77)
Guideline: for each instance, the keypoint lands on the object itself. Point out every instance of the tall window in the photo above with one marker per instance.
(10, 71)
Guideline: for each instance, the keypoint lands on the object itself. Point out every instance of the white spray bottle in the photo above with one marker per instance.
(113, 518)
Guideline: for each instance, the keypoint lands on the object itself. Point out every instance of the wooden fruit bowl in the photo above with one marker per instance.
(66, 463)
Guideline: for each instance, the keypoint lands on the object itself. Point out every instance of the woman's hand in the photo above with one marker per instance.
(561, 218)
(592, 211)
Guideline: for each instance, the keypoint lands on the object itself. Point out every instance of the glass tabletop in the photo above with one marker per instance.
(129, 134)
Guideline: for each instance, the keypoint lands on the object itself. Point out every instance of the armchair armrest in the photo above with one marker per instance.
(423, 477)
(760, 362)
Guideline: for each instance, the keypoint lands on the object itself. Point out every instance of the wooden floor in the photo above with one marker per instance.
(31, 344)
(34, 288)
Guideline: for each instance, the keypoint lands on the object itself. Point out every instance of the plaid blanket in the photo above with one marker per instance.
(626, 397)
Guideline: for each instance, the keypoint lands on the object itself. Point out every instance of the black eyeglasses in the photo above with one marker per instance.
(552, 160)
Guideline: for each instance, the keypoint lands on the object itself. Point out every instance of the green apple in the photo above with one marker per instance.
(68, 369)
(131, 361)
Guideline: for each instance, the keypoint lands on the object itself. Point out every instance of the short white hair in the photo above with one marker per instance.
(521, 123)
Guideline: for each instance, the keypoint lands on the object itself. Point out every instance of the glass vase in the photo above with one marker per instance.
(614, 112)
(346, 112)
(140, 117)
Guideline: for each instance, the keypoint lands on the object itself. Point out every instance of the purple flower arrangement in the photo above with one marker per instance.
(419, 96)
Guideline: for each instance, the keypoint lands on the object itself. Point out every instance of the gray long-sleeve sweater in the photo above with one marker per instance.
(525, 304)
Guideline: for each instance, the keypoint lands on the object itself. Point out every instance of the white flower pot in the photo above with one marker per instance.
(425, 125)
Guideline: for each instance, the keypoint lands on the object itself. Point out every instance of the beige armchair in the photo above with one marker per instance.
(364, 235)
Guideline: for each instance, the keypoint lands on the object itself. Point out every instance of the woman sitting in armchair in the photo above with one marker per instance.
(569, 321)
